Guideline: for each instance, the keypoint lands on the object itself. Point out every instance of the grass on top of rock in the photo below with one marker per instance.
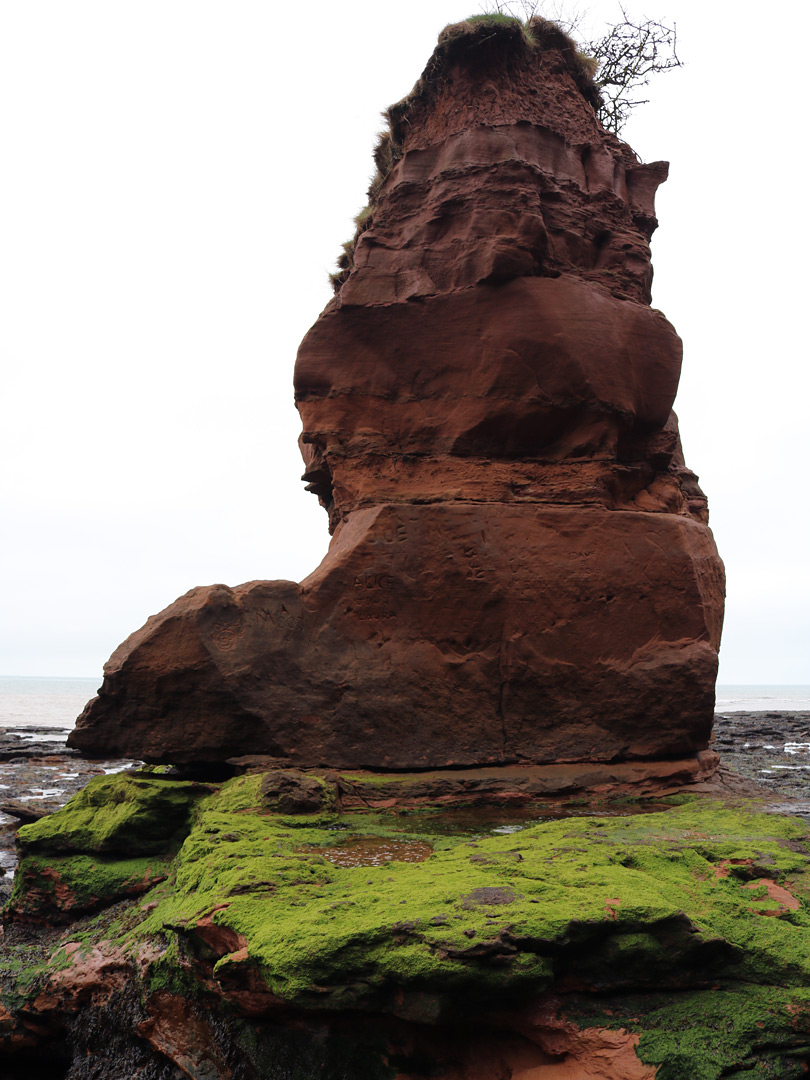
(460, 42)
(496, 19)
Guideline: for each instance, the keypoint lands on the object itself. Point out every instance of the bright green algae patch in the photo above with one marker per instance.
(114, 838)
(651, 922)
(53, 887)
(117, 814)
(641, 893)
(734, 1032)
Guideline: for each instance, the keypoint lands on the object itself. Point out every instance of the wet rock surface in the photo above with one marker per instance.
(261, 945)
(772, 748)
(38, 774)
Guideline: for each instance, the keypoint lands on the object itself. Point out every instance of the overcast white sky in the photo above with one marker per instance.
(178, 177)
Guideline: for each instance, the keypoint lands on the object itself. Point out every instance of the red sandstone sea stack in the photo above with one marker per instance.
(521, 570)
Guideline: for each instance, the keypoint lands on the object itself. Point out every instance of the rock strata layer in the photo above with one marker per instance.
(521, 569)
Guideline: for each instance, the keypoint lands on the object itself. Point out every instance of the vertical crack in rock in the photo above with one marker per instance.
(501, 692)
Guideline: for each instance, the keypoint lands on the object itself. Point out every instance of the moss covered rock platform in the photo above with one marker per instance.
(161, 929)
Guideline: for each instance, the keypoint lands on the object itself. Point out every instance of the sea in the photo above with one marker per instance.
(731, 698)
(56, 702)
(30, 701)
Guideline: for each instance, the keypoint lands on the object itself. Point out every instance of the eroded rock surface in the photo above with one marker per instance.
(521, 569)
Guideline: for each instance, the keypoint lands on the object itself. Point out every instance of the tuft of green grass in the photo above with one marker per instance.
(496, 19)
(362, 217)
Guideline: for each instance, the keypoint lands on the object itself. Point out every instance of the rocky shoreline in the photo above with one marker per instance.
(771, 748)
(39, 773)
(285, 924)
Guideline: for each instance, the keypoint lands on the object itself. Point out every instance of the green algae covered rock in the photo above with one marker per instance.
(618, 902)
(113, 839)
(685, 931)
(119, 813)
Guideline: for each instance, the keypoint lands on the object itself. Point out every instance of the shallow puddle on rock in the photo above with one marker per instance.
(475, 822)
(478, 821)
(372, 851)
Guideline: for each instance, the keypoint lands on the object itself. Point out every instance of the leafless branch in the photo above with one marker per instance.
(628, 55)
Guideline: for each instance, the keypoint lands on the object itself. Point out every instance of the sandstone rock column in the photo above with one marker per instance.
(521, 569)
